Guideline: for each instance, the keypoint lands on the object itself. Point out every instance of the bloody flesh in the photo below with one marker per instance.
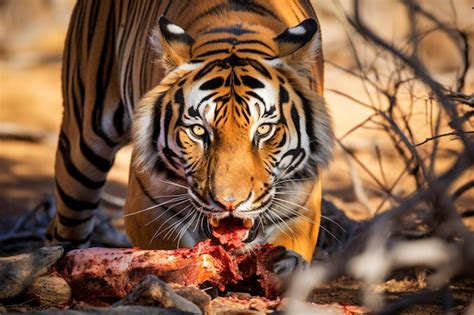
(103, 275)
(230, 233)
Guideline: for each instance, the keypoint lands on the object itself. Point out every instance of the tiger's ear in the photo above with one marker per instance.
(172, 42)
(298, 43)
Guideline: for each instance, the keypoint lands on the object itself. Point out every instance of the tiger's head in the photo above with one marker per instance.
(236, 118)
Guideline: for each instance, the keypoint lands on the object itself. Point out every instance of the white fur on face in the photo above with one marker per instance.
(175, 29)
(299, 30)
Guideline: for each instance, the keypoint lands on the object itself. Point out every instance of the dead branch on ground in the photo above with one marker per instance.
(422, 227)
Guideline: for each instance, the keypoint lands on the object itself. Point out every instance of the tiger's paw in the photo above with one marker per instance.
(287, 264)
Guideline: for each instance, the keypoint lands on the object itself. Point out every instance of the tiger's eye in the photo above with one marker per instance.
(198, 130)
(263, 130)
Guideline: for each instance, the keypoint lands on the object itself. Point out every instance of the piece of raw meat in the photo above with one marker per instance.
(103, 275)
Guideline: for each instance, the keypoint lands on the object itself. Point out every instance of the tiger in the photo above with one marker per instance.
(223, 103)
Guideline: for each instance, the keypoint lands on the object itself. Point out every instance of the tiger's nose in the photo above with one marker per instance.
(228, 203)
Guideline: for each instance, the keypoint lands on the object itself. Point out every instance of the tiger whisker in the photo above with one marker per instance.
(330, 233)
(173, 195)
(155, 206)
(191, 222)
(198, 221)
(172, 207)
(249, 250)
(300, 206)
(283, 173)
(280, 219)
(282, 192)
(202, 221)
(162, 224)
(324, 228)
(173, 226)
(184, 228)
(172, 183)
(159, 231)
(296, 222)
(266, 215)
(296, 213)
(292, 180)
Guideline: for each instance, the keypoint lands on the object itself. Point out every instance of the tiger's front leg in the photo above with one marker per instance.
(301, 240)
(95, 125)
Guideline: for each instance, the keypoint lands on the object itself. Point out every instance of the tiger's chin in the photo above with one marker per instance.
(231, 231)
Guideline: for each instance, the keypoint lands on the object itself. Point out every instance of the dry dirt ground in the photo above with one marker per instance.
(30, 98)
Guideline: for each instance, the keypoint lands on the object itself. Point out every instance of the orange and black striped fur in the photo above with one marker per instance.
(223, 100)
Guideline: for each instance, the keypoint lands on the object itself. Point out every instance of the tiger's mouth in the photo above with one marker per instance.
(231, 232)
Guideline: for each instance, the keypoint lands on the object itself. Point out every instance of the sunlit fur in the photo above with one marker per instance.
(221, 67)
(230, 94)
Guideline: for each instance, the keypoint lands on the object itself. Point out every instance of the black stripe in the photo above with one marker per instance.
(282, 142)
(161, 167)
(95, 159)
(231, 29)
(168, 6)
(118, 119)
(74, 204)
(144, 44)
(70, 222)
(262, 196)
(237, 6)
(72, 240)
(179, 99)
(283, 98)
(256, 41)
(270, 112)
(212, 84)
(130, 11)
(204, 99)
(252, 82)
(252, 93)
(147, 194)
(157, 120)
(205, 70)
(296, 120)
(65, 150)
(255, 51)
(308, 113)
(300, 9)
(260, 68)
(104, 67)
(230, 40)
(167, 121)
(234, 41)
(308, 8)
(212, 52)
(195, 61)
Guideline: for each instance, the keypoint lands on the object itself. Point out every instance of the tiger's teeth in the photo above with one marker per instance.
(248, 223)
(214, 222)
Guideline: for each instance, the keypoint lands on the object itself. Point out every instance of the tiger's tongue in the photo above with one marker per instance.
(230, 231)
